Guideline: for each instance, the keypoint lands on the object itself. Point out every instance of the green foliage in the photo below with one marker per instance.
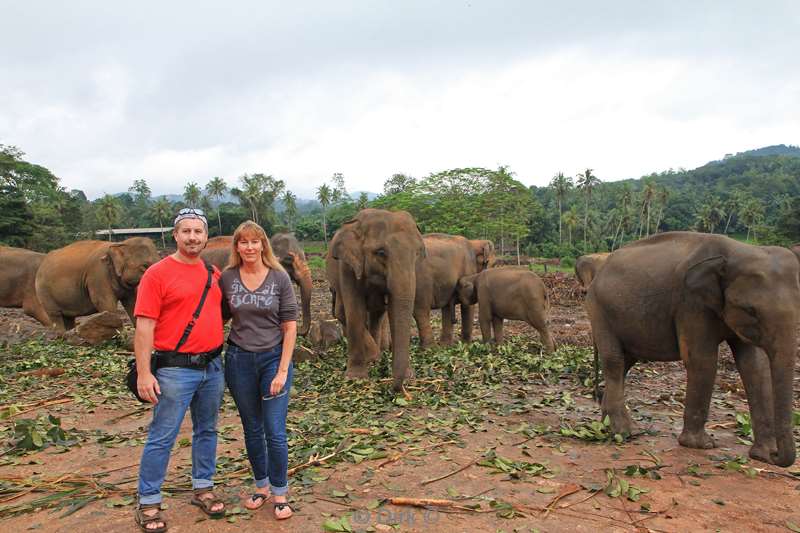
(595, 431)
(617, 487)
(37, 433)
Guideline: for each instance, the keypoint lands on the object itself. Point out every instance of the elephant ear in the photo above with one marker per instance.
(116, 257)
(347, 248)
(703, 282)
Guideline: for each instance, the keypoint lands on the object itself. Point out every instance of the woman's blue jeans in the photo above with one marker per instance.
(182, 388)
(249, 375)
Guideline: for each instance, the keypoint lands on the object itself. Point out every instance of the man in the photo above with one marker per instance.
(169, 294)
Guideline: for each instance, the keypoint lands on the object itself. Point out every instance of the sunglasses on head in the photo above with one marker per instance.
(191, 211)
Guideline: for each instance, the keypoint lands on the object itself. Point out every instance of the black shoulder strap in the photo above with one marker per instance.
(196, 313)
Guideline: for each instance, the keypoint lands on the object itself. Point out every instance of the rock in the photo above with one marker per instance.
(99, 327)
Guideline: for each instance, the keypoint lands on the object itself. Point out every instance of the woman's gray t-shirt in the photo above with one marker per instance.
(257, 315)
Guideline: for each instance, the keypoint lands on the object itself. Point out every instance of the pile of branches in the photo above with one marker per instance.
(562, 289)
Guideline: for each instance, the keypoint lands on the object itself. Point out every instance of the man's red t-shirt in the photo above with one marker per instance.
(169, 293)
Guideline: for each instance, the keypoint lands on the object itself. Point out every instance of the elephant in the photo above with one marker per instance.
(449, 257)
(514, 293)
(587, 267)
(288, 251)
(677, 296)
(372, 265)
(796, 250)
(17, 281)
(485, 256)
(90, 276)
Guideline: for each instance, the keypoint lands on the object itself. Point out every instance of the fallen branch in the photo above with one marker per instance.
(399, 456)
(314, 460)
(454, 472)
(566, 491)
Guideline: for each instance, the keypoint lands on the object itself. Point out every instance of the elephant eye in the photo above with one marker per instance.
(380, 252)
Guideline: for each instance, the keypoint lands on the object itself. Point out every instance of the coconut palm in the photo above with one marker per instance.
(561, 184)
(159, 211)
(192, 193)
(215, 189)
(324, 197)
(290, 208)
(586, 182)
(571, 221)
(108, 211)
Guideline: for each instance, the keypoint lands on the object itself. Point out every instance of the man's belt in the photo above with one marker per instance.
(182, 359)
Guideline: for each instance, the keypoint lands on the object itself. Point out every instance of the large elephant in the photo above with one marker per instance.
(677, 296)
(587, 267)
(18, 281)
(288, 251)
(86, 277)
(796, 250)
(372, 265)
(449, 258)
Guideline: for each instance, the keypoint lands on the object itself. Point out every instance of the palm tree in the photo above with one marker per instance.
(161, 210)
(191, 193)
(324, 197)
(586, 182)
(290, 205)
(662, 196)
(752, 214)
(648, 193)
(733, 205)
(571, 221)
(108, 210)
(561, 184)
(215, 189)
(624, 201)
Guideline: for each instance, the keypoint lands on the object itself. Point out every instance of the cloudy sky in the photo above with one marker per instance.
(103, 93)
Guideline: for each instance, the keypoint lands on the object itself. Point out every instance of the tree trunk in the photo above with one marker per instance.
(559, 223)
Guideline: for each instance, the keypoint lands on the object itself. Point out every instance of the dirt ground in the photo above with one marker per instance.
(698, 490)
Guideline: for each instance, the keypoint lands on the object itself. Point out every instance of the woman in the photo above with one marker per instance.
(258, 295)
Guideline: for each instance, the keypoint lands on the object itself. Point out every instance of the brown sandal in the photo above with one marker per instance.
(142, 520)
(206, 504)
(278, 506)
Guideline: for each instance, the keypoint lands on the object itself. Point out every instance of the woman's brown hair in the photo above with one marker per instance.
(249, 229)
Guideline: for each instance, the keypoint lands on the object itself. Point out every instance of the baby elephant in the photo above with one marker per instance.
(515, 293)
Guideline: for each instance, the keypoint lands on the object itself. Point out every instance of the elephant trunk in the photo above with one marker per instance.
(304, 281)
(782, 361)
(401, 306)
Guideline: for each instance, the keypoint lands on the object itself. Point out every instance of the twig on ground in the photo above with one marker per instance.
(454, 472)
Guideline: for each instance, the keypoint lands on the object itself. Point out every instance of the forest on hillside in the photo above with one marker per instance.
(752, 195)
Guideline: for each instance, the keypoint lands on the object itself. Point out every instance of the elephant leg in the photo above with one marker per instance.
(129, 304)
(422, 315)
(485, 321)
(540, 324)
(497, 326)
(376, 322)
(467, 317)
(614, 363)
(104, 300)
(446, 338)
(753, 366)
(69, 322)
(701, 372)
(33, 308)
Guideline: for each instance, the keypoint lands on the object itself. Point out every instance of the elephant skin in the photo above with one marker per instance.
(372, 264)
(485, 255)
(587, 267)
(18, 281)
(449, 258)
(290, 254)
(677, 296)
(87, 277)
(513, 293)
(796, 250)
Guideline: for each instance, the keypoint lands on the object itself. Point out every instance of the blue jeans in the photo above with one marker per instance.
(182, 388)
(249, 375)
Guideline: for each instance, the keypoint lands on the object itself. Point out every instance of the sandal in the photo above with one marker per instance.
(207, 504)
(256, 498)
(142, 519)
(279, 506)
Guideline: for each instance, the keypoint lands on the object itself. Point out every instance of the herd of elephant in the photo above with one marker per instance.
(674, 296)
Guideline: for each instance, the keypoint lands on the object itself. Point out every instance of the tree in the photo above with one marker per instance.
(648, 193)
(141, 191)
(338, 190)
(398, 183)
(15, 217)
(108, 211)
(662, 196)
(258, 195)
(752, 214)
(625, 197)
(192, 193)
(587, 182)
(290, 208)
(362, 202)
(215, 189)
(159, 211)
(571, 221)
(324, 197)
(561, 185)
